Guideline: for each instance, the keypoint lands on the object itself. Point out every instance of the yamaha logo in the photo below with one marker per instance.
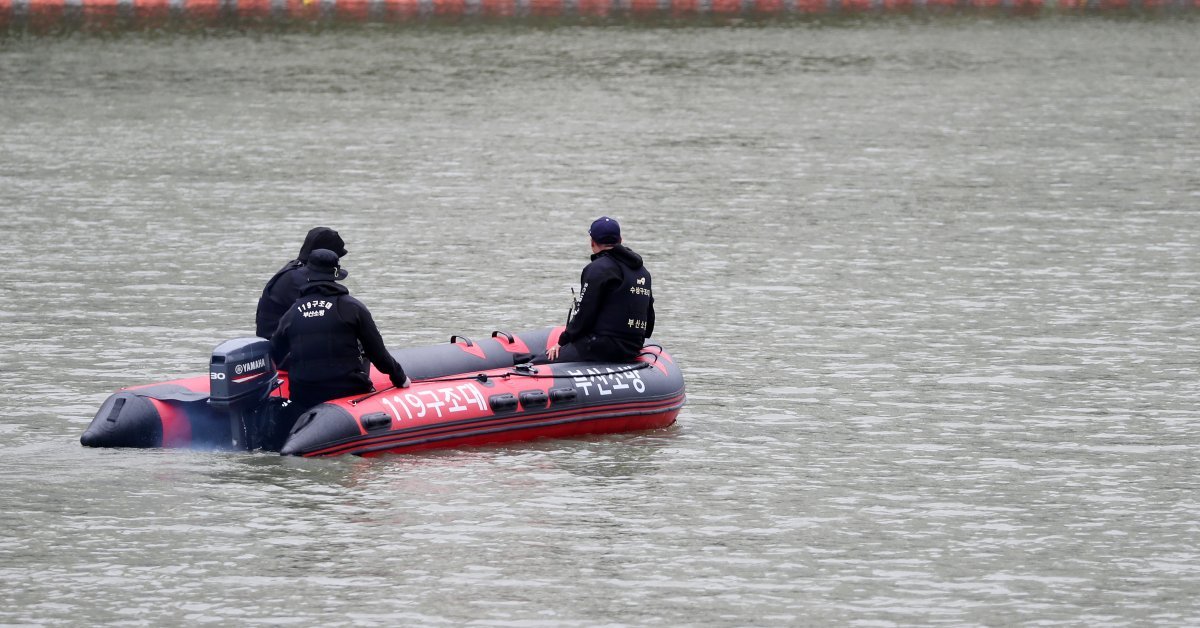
(250, 366)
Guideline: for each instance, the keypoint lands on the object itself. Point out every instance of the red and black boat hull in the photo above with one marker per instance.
(465, 393)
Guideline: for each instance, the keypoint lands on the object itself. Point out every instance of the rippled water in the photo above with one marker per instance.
(933, 286)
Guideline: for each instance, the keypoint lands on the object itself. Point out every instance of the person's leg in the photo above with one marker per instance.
(573, 352)
(275, 421)
(608, 349)
(595, 349)
(587, 349)
(308, 394)
(567, 353)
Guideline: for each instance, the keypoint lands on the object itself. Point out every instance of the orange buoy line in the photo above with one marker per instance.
(46, 15)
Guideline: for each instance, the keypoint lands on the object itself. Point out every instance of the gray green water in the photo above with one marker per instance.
(933, 287)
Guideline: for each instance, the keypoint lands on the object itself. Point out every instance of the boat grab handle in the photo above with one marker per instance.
(456, 338)
(506, 335)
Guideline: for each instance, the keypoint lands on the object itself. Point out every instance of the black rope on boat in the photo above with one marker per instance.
(355, 402)
(629, 369)
(482, 378)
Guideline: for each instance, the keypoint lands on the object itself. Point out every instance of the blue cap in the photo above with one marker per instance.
(605, 230)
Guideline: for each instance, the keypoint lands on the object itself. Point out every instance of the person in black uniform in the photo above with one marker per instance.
(328, 337)
(615, 313)
(284, 288)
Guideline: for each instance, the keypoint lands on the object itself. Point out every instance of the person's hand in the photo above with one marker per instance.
(552, 352)
(403, 384)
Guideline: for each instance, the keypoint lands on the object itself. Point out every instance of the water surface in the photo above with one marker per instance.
(933, 286)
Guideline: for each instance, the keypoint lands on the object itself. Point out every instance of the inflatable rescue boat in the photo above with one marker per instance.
(463, 393)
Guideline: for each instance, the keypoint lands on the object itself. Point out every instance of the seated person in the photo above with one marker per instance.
(615, 313)
(328, 337)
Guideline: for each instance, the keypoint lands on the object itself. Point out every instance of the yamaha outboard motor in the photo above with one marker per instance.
(241, 380)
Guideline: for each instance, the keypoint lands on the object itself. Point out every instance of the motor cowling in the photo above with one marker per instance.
(240, 372)
(241, 379)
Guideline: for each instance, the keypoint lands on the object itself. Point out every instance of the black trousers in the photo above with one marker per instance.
(305, 395)
(275, 423)
(593, 348)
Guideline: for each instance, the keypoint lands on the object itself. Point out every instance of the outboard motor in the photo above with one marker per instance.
(241, 380)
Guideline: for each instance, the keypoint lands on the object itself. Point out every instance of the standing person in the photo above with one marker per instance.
(328, 337)
(284, 288)
(615, 313)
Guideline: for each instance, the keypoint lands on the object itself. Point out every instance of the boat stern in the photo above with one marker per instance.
(125, 420)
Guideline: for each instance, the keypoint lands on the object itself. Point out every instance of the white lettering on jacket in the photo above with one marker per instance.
(309, 309)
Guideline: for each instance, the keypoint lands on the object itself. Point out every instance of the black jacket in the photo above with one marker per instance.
(330, 335)
(615, 299)
(284, 288)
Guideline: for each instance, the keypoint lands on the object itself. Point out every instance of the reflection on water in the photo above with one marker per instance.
(932, 286)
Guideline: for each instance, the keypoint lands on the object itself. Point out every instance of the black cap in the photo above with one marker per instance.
(323, 266)
(605, 230)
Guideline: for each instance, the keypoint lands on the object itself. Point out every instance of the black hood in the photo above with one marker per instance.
(325, 287)
(322, 238)
(624, 256)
